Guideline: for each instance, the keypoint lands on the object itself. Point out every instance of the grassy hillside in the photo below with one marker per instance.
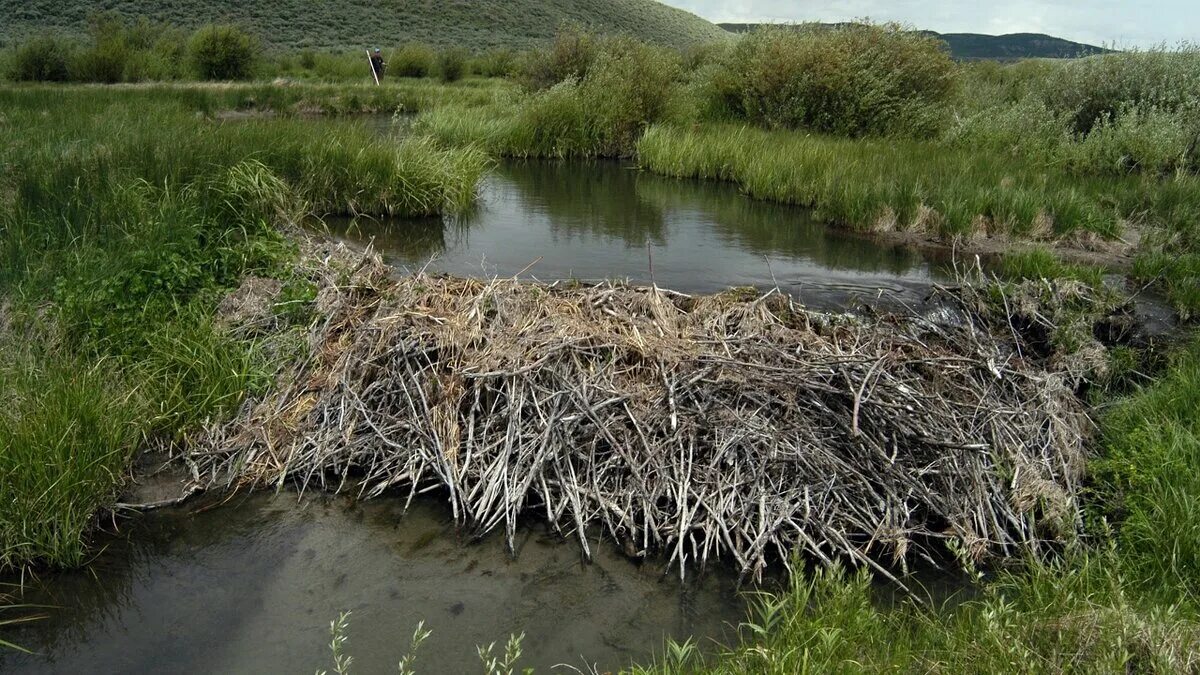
(973, 46)
(474, 24)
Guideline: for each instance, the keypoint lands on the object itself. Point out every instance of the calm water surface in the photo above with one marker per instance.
(606, 220)
(251, 586)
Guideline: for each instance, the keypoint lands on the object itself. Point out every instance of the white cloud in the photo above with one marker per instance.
(1113, 22)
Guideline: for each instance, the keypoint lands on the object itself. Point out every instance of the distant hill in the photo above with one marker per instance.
(975, 46)
(338, 24)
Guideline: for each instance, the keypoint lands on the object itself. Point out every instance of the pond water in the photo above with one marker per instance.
(251, 585)
(606, 220)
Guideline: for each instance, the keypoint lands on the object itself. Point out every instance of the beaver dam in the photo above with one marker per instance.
(738, 426)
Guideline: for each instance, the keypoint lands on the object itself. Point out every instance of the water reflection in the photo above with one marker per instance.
(605, 220)
(251, 587)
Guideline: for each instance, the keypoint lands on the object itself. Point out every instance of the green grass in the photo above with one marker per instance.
(67, 433)
(296, 24)
(124, 219)
(1040, 263)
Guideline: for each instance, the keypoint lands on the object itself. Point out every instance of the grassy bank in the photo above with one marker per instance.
(124, 220)
(1097, 154)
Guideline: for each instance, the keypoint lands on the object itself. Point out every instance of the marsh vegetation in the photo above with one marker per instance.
(126, 221)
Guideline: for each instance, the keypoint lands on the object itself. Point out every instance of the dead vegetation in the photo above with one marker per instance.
(742, 427)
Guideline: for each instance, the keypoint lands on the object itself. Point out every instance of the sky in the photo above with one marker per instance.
(1119, 23)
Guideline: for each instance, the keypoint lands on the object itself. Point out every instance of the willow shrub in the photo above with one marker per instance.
(853, 81)
(412, 60)
(223, 52)
(570, 56)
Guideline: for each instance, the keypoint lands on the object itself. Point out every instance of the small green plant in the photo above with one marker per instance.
(223, 52)
(502, 663)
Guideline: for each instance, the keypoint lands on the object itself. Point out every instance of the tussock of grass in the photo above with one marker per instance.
(1039, 263)
(67, 432)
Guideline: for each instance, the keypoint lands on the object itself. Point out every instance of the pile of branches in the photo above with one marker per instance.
(738, 425)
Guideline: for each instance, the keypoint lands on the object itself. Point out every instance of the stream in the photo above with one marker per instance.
(250, 583)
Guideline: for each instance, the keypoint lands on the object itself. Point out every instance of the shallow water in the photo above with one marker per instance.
(606, 220)
(251, 586)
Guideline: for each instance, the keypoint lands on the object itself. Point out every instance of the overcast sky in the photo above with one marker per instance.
(1122, 23)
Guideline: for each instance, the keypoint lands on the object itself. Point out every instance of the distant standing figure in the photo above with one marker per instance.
(377, 63)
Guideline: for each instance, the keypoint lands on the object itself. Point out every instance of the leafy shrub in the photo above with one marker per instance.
(452, 64)
(627, 89)
(223, 52)
(569, 56)
(412, 60)
(496, 63)
(853, 80)
(1102, 88)
(1148, 140)
(41, 59)
(1025, 128)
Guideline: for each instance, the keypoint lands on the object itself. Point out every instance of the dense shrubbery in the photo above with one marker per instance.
(496, 63)
(134, 51)
(223, 52)
(853, 81)
(452, 64)
(1136, 112)
(626, 86)
(42, 59)
(412, 60)
(568, 57)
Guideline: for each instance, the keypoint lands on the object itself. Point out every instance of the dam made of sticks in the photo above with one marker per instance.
(738, 426)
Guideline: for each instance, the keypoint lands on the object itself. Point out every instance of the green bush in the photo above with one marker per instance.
(41, 59)
(223, 52)
(412, 60)
(569, 56)
(626, 90)
(496, 63)
(452, 64)
(854, 80)
(1102, 88)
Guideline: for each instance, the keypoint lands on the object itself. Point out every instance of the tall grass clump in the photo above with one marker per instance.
(854, 80)
(67, 433)
(1147, 484)
(223, 52)
(880, 185)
